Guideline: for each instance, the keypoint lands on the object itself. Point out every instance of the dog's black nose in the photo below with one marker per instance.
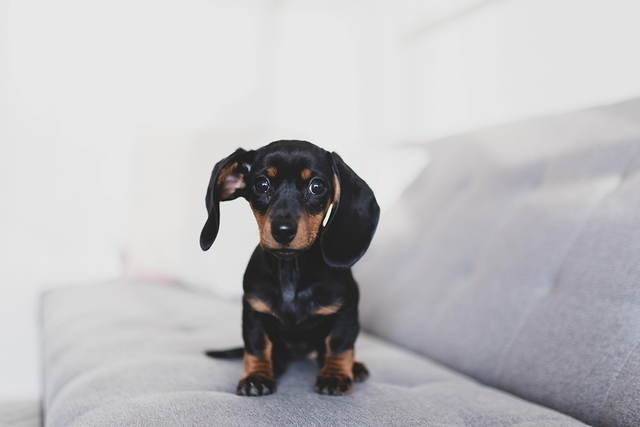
(284, 230)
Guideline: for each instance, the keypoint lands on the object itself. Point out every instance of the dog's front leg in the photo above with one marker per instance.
(258, 365)
(340, 370)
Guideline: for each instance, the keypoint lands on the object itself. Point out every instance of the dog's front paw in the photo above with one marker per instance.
(360, 372)
(254, 385)
(333, 384)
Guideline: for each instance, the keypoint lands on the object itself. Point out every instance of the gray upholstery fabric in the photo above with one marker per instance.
(131, 355)
(514, 258)
(21, 413)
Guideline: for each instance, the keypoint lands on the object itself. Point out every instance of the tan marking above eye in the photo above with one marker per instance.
(306, 174)
(272, 172)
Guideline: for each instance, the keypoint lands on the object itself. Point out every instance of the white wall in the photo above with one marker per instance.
(500, 60)
(79, 80)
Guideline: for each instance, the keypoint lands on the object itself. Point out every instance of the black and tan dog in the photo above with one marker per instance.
(299, 294)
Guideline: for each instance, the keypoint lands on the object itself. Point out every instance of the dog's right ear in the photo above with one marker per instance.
(227, 183)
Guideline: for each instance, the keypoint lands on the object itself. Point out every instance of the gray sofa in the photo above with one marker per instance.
(502, 289)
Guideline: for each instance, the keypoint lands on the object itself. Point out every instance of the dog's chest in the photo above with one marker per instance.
(299, 296)
(293, 302)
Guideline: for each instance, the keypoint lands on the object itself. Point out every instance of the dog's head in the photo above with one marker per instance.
(291, 187)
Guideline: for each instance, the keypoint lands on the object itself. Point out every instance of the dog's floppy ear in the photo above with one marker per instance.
(227, 183)
(353, 220)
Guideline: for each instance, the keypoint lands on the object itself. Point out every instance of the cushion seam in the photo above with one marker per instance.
(613, 383)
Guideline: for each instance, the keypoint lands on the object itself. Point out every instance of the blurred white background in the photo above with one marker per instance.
(112, 111)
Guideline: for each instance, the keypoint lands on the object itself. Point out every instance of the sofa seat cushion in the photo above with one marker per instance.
(132, 354)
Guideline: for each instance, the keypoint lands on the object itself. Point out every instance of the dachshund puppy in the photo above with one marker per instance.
(299, 293)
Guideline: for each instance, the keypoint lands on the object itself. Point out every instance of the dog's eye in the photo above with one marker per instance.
(317, 187)
(261, 185)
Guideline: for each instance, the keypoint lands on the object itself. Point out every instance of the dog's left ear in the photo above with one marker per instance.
(353, 220)
(227, 183)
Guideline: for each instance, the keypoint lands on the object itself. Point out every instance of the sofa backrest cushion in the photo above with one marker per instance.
(515, 258)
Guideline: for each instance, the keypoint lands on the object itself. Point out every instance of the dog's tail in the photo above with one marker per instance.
(234, 353)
